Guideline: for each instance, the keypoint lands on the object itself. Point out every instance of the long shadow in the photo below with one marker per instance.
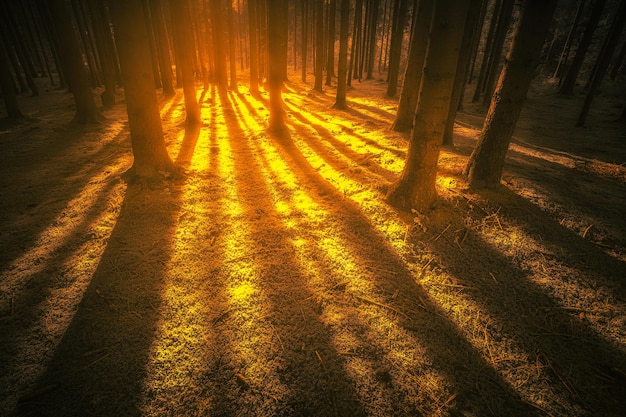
(47, 196)
(363, 160)
(385, 115)
(99, 365)
(581, 367)
(313, 391)
(466, 370)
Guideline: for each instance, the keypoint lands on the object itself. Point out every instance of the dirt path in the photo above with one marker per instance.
(274, 280)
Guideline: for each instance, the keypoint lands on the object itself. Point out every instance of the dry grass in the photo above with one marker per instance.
(274, 280)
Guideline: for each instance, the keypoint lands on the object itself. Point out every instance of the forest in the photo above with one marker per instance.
(313, 208)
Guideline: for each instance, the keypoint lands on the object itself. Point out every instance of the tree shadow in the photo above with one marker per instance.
(99, 365)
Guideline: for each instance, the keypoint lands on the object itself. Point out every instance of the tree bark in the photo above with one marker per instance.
(217, 16)
(568, 42)
(319, 45)
(396, 46)
(71, 59)
(303, 53)
(484, 168)
(254, 48)
(342, 70)
(504, 21)
(7, 87)
(482, 73)
(163, 47)
(150, 154)
(330, 53)
(232, 38)
(602, 64)
(415, 189)
(183, 38)
(102, 34)
(372, 39)
(415, 67)
(567, 87)
(277, 48)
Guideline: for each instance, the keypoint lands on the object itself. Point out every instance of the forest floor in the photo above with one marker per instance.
(273, 279)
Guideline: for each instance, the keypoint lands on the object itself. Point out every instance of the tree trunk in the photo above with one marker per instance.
(163, 47)
(608, 48)
(101, 32)
(150, 155)
(330, 53)
(71, 59)
(484, 168)
(396, 47)
(303, 28)
(461, 69)
(319, 44)
(568, 42)
(415, 189)
(254, 48)
(277, 48)
(232, 38)
(342, 70)
(482, 73)
(415, 67)
(7, 87)
(217, 16)
(618, 62)
(356, 36)
(372, 39)
(476, 43)
(183, 38)
(504, 21)
(567, 87)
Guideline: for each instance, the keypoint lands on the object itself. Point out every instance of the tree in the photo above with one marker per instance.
(217, 14)
(319, 44)
(71, 59)
(150, 155)
(163, 47)
(330, 53)
(7, 87)
(567, 87)
(603, 62)
(415, 66)
(342, 70)
(303, 53)
(277, 47)
(484, 168)
(104, 43)
(415, 189)
(231, 47)
(400, 21)
(254, 48)
(183, 38)
(580, 11)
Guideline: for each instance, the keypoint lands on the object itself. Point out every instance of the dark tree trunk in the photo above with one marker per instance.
(277, 50)
(567, 87)
(154, 60)
(608, 48)
(232, 38)
(163, 47)
(254, 48)
(183, 38)
(372, 38)
(71, 59)
(217, 17)
(484, 168)
(461, 69)
(85, 42)
(7, 87)
(303, 53)
(482, 73)
(476, 43)
(330, 53)
(102, 34)
(415, 189)
(580, 11)
(319, 45)
(150, 155)
(618, 62)
(396, 46)
(342, 70)
(415, 67)
(356, 36)
(504, 21)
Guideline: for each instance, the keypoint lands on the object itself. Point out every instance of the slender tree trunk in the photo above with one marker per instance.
(183, 38)
(415, 67)
(372, 39)
(7, 86)
(101, 26)
(86, 45)
(150, 155)
(396, 47)
(163, 47)
(73, 65)
(608, 48)
(415, 189)
(231, 47)
(319, 44)
(504, 21)
(217, 16)
(154, 61)
(461, 70)
(618, 62)
(356, 36)
(482, 73)
(330, 53)
(580, 11)
(484, 168)
(344, 29)
(567, 86)
(254, 48)
(476, 43)
(277, 50)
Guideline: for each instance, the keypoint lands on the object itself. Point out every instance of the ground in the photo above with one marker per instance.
(273, 279)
